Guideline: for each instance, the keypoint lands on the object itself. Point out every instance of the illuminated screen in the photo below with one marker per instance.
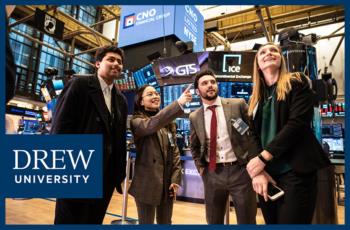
(31, 126)
(58, 86)
(235, 90)
(332, 130)
(183, 124)
(335, 144)
(173, 92)
(144, 76)
(337, 109)
(46, 94)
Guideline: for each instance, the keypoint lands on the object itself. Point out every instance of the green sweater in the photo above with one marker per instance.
(269, 129)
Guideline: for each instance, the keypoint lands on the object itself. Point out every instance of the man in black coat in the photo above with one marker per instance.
(93, 105)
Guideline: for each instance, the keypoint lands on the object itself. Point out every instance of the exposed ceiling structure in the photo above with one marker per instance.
(266, 21)
(88, 38)
(243, 23)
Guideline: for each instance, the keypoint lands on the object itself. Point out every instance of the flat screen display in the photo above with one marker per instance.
(45, 94)
(335, 144)
(337, 109)
(30, 126)
(235, 90)
(173, 92)
(332, 130)
(58, 86)
(144, 76)
(183, 124)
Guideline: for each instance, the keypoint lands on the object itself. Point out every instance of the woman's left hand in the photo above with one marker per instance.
(174, 188)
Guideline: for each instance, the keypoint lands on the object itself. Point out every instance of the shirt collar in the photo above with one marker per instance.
(104, 85)
(217, 103)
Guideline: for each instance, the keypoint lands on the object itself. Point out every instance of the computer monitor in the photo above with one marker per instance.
(235, 90)
(339, 109)
(58, 85)
(173, 92)
(144, 76)
(183, 124)
(30, 126)
(326, 110)
(332, 130)
(335, 144)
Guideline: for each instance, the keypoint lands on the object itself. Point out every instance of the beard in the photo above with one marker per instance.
(209, 98)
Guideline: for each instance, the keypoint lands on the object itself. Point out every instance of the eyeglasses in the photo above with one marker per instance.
(151, 94)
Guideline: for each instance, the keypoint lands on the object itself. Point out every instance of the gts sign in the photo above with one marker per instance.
(181, 70)
(232, 63)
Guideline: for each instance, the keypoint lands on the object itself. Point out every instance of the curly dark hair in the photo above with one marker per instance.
(201, 74)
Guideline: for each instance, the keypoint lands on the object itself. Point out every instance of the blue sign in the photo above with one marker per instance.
(189, 26)
(42, 166)
(144, 23)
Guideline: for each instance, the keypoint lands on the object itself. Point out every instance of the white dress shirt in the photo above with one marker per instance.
(106, 90)
(224, 150)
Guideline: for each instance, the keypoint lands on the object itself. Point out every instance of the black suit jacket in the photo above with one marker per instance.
(294, 139)
(81, 109)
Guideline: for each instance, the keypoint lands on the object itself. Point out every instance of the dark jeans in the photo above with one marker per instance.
(298, 203)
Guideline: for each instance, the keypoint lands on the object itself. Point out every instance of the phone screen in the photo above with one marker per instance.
(272, 190)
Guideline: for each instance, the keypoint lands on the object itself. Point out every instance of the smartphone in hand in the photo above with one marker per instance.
(274, 192)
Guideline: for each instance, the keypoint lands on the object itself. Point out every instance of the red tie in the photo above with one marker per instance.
(213, 134)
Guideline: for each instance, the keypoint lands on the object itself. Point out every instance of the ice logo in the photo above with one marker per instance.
(229, 61)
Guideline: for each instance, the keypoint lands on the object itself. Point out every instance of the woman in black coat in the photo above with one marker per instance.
(281, 111)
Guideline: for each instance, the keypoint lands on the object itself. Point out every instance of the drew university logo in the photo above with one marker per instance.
(51, 167)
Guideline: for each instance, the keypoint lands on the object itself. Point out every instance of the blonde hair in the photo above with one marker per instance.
(283, 83)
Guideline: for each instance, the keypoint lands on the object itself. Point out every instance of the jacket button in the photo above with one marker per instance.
(154, 161)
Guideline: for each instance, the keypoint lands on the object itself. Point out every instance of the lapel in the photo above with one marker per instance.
(234, 136)
(162, 141)
(98, 100)
(228, 112)
(117, 105)
(199, 121)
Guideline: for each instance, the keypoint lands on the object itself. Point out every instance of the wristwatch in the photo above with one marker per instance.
(263, 159)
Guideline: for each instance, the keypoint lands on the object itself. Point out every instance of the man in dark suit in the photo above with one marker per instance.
(219, 146)
(93, 105)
